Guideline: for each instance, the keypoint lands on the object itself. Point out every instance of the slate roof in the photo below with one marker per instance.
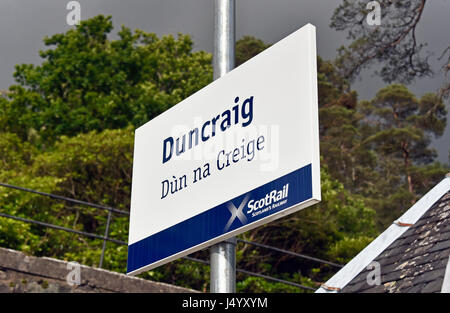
(412, 260)
(417, 260)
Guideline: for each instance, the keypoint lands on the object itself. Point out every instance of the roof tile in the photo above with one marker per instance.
(416, 261)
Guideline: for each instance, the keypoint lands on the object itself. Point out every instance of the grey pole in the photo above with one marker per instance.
(223, 255)
(224, 37)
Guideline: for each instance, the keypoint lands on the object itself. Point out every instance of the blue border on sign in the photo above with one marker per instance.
(215, 222)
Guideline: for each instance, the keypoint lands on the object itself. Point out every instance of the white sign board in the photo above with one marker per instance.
(239, 153)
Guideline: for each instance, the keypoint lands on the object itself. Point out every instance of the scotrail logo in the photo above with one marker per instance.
(271, 200)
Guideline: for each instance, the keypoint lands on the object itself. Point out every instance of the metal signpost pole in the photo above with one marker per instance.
(223, 255)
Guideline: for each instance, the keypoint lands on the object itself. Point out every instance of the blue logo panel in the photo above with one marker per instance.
(247, 208)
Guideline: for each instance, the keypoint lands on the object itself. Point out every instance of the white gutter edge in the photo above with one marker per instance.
(379, 244)
(446, 283)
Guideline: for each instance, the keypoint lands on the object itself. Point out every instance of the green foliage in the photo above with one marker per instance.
(95, 167)
(92, 167)
(14, 154)
(345, 249)
(247, 47)
(88, 82)
(252, 284)
(184, 273)
(380, 149)
(341, 131)
(17, 235)
(399, 130)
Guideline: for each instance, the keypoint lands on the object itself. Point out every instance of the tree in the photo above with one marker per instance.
(248, 47)
(444, 92)
(92, 167)
(341, 130)
(88, 82)
(393, 43)
(16, 157)
(401, 128)
(398, 163)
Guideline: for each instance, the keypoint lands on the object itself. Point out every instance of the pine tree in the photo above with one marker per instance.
(400, 129)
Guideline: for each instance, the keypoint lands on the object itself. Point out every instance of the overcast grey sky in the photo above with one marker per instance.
(23, 24)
